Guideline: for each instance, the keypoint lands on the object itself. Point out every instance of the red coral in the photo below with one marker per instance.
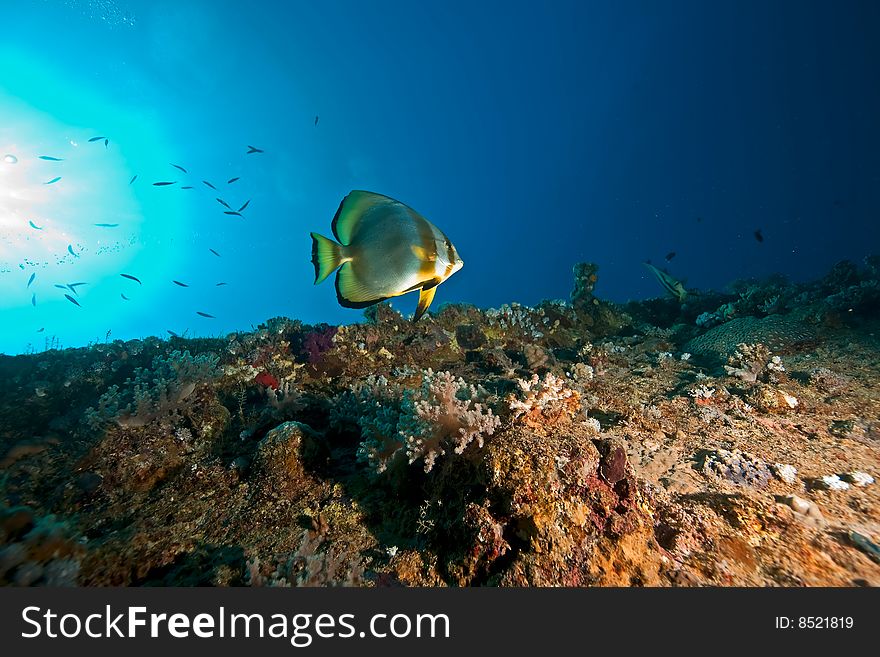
(267, 380)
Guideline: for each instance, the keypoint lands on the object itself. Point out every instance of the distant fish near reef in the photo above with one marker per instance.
(49, 158)
(133, 178)
(246, 203)
(33, 225)
(95, 139)
(60, 287)
(34, 299)
(671, 285)
(31, 279)
(53, 181)
(70, 251)
(172, 333)
(177, 166)
(72, 300)
(107, 225)
(132, 278)
(163, 184)
(758, 235)
(232, 180)
(201, 314)
(72, 287)
(222, 284)
(125, 297)
(234, 213)
(223, 203)
(316, 120)
(214, 252)
(385, 249)
(254, 149)
(180, 284)
(41, 330)
(670, 256)
(209, 184)
(187, 187)
(106, 143)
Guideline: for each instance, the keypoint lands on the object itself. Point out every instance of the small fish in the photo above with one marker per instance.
(107, 225)
(72, 287)
(758, 235)
(385, 249)
(70, 251)
(132, 278)
(214, 252)
(177, 166)
(180, 284)
(34, 299)
(51, 159)
(187, 187)
(234, 213)
(223, 203)
(670, 256)
(671, 285)
(53, 181)
(201, 314)
(33, 225)
(221, 284)
(232, 180)
(133, 178)
(246, 203)
(125, 297)
(172, 333)
(41, 330)
(209, 184)
(95, 139)
(72, 300)
(254, 149)
(61, 287)
(106, 143)
(31, 279)
(316, 120)
(699, 220)
(163, 184)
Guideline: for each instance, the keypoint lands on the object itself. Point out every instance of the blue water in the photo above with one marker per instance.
(534, 134)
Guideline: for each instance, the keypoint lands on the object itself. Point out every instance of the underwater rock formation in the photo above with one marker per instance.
(563, 444)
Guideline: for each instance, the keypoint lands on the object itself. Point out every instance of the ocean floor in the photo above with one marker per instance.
(732, 440)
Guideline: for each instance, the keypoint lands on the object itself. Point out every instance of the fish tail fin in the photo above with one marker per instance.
(327, 256)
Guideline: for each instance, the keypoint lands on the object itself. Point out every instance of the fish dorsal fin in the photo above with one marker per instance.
(352, 209)
(426, 296)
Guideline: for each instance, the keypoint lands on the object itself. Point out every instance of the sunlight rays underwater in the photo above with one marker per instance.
(77, 217)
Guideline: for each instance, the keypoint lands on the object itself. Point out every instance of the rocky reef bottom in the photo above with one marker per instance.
(729, 440)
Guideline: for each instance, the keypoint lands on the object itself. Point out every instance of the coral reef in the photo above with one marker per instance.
(730, 440)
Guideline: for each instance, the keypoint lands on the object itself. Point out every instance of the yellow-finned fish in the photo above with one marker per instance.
(385, 249)
(671, 285)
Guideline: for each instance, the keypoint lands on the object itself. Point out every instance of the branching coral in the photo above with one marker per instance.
(754, 362)
(157, 394)
(544, 402)
(442, 413)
